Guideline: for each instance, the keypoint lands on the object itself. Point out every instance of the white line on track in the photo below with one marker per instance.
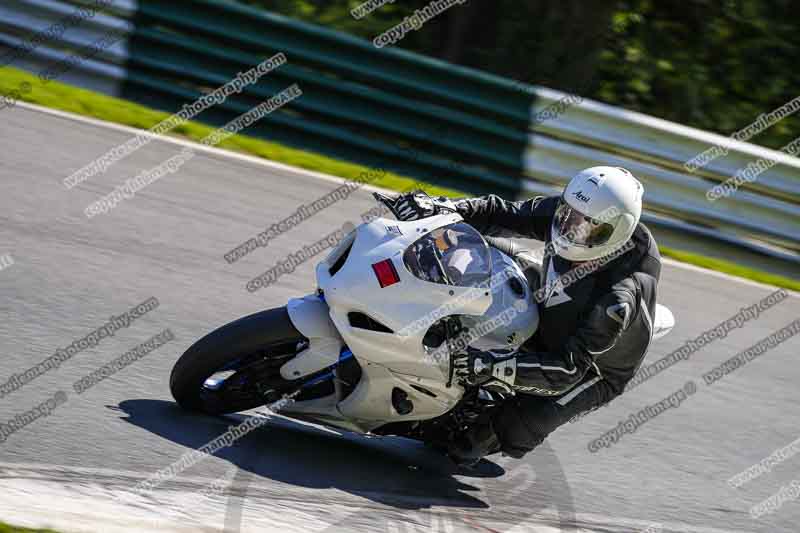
(94, 504)
(26, 484)
(311, 174)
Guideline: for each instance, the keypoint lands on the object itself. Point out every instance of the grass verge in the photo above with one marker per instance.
(5, 528)
(727, 267)
(83, 102)
(72, 99)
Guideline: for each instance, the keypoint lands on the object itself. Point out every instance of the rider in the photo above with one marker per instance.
(596, 302)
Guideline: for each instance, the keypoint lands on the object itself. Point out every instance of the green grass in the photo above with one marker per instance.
(82, 102)
(733, 269)
(5, 528)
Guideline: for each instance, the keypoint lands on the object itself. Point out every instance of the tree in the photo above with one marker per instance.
(712, 64)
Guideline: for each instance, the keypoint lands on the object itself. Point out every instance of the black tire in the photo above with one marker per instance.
(265, 336)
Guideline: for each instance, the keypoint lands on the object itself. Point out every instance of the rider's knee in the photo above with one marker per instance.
(523, 425)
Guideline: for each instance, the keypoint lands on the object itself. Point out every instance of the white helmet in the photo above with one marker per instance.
(597, 213)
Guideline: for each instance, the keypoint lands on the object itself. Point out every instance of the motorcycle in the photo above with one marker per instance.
(372, 350)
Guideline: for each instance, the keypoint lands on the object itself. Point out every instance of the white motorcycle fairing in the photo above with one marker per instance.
(383, 327)
(391, 351)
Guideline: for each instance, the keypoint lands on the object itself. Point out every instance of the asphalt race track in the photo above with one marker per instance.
(75, 469)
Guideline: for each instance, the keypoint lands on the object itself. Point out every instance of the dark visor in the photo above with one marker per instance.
(580, 229)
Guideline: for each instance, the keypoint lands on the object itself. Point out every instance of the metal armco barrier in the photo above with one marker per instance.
(655, 150)
(380, 107)
(408, 113)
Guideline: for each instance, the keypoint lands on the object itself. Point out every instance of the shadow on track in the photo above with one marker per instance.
(392, 471)
(388, 470)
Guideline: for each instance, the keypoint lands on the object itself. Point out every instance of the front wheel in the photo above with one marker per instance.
(237, 367)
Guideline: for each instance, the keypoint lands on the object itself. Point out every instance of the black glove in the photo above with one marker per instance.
(416, 205)
(475, 367)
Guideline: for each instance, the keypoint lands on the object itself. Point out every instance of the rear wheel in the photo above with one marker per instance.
(237, 367)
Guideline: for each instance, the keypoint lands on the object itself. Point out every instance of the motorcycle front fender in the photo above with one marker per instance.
(310, 315)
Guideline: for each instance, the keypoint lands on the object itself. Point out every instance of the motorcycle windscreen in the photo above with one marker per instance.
(513, 316)
(451, 255)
